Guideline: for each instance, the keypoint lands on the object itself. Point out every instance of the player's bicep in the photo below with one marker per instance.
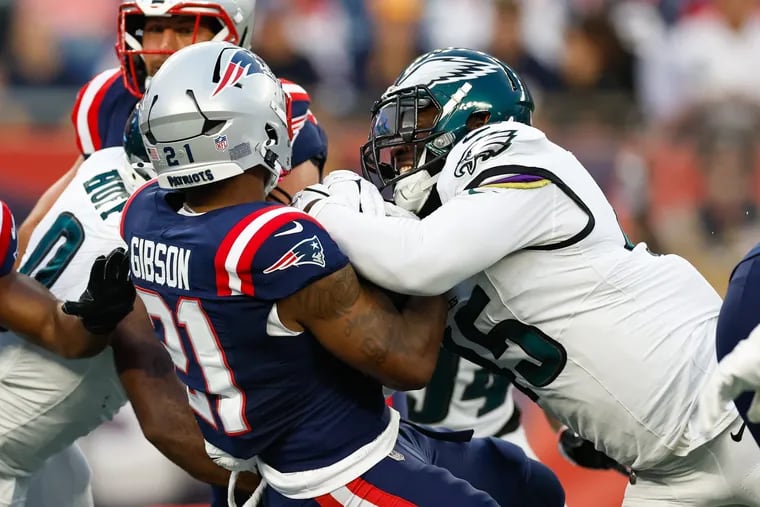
(354, 321)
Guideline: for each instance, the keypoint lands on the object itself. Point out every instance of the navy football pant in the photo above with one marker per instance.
(739, 315)
(428, 470)
(219, 495)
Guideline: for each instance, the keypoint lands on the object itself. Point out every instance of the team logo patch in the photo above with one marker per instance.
(484, 144)
(443, 69)
(308, 251)
(242, 64)
(221, 143)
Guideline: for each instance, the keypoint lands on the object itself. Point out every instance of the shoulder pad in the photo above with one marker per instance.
(504, 144)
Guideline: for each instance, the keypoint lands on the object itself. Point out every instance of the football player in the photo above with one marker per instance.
(612, 340)
(282, 349)
(32, 311)
(48, 402)
(462, 395)
(738, 347)
(148, 32)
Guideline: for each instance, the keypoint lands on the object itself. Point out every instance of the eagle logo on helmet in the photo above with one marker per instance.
(443, 69)
(484, 144)
(243, 63)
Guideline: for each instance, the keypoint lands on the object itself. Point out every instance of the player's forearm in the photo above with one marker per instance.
(68, 338)
(160, 400)
(174, 432)
(410, 344)
(425, 319)
(427, 257)
(384, 250)
(35, 314)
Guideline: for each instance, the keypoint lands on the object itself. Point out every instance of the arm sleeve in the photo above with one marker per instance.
(463, 237)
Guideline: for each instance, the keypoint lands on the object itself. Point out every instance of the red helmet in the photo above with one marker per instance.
(234, 19)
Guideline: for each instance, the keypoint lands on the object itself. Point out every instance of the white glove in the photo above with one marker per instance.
(392, 210)
(737, 372)
(307, 198)
(351, 190)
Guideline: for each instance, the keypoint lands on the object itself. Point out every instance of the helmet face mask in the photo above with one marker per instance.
(432, 105)
(402, 136)
(227, 20)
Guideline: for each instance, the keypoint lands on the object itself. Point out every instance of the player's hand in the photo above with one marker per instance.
(309, 196)
(736, 373)
(392, 210)
(351, 190)
(109, 296)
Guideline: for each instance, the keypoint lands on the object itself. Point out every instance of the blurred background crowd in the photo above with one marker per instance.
(660, 100)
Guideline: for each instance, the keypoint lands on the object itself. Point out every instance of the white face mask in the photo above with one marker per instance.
(410, 193)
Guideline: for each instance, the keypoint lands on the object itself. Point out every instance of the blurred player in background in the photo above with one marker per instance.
(281, 347)
(463, 395)
(148, 32)
(613, 341)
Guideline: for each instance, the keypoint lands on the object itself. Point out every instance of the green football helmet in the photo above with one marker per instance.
(134, 149)
(429, 108)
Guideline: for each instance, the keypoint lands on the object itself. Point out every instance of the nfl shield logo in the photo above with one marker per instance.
(221, 143)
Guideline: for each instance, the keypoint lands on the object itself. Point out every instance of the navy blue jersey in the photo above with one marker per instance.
(210, 282)
(7, 240)
(104, 104)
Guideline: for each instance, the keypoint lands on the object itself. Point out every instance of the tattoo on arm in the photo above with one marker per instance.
(370, 322)
(333, 296)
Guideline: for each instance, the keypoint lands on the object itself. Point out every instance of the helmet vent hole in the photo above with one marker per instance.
(271, 133)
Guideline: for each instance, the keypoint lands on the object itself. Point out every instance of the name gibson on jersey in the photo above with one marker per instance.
(160, 263)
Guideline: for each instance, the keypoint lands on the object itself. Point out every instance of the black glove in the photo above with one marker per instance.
(582, 452)
(110, 294)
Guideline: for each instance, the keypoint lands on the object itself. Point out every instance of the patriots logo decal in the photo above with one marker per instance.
(443, 69)
(307, 251)
(242, 64)
(484, 144)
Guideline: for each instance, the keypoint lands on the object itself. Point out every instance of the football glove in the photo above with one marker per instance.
(309, 196)
(348, 188)
(581, 452)
(737, 372)
(109, 296)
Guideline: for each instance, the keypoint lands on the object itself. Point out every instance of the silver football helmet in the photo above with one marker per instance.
(213, 111)
(232, 18)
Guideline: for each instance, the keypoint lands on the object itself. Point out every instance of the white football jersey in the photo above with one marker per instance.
(47, 402)
(462, 395)
(609, 338)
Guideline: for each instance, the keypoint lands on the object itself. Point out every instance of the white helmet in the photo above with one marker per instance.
(234, 19)
(213, 111)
